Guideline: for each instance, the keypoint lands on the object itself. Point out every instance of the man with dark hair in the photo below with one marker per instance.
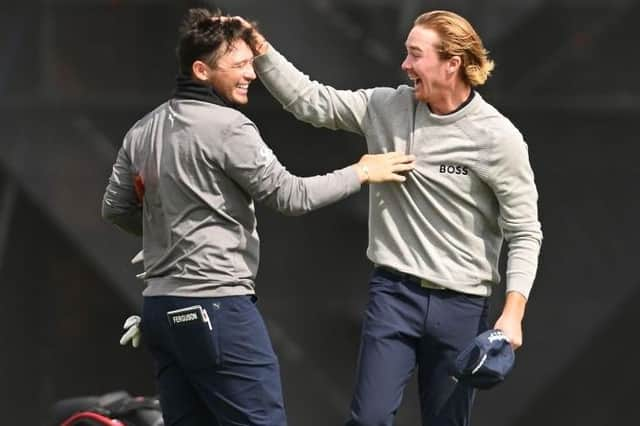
(185, 179)
(435, 240)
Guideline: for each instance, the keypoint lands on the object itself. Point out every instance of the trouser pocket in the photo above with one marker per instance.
(194, 337)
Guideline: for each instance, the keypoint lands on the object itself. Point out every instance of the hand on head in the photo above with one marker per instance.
(260, 45)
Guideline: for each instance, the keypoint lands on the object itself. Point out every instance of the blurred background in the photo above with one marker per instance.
(76, 74)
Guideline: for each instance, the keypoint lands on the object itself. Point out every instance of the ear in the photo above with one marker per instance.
(454, 64)
(200, 70)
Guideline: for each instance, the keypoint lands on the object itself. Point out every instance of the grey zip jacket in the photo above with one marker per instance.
(203, 163)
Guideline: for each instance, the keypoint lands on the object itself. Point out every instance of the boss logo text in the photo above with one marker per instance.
(454, 169)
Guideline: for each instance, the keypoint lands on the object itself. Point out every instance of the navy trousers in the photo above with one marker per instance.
(214, 361)
(407, 326)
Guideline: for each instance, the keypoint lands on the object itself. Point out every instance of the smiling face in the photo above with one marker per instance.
(232, 73)
(431, 74)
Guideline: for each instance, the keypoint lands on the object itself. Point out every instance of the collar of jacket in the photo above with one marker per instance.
(187, 88)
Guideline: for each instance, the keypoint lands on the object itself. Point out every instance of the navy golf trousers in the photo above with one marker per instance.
(408, 326)
(215, 365)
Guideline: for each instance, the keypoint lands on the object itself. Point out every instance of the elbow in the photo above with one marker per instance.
(296, 206)
(529, 238)
(113, 214)
(293, 210)
(108, 213)
(289, 205)
(530, 230)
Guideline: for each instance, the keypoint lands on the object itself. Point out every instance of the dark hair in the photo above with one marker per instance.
(203, 37)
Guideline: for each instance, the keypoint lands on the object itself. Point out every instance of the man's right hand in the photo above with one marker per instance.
(378, 168)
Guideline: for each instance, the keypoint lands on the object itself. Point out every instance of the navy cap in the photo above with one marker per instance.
(486, 361)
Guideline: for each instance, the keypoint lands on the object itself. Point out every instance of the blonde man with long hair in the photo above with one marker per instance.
(435, 239)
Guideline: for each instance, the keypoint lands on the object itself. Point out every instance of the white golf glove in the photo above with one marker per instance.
(139, 258)
(132, 333)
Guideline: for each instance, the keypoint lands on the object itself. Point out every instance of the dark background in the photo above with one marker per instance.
(76, 74)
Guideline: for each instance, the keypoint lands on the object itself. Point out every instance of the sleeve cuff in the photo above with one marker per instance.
(520, 285)
(267, 61)
(351, 178)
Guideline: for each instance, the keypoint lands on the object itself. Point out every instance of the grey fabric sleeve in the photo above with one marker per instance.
(311, 101)
(513, 183)
(253, 166)
(119, 204)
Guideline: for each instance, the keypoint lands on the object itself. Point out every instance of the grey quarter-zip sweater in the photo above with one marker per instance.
(472, 187)
(203, 163)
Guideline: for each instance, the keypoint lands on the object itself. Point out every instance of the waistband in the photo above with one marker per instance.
(393, 274)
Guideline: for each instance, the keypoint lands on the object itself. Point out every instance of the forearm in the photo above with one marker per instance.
(120, 203)
(128, 220)
(514, 306)
(510, 320)
(297, 195)
(522, 262)
(311, 101)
